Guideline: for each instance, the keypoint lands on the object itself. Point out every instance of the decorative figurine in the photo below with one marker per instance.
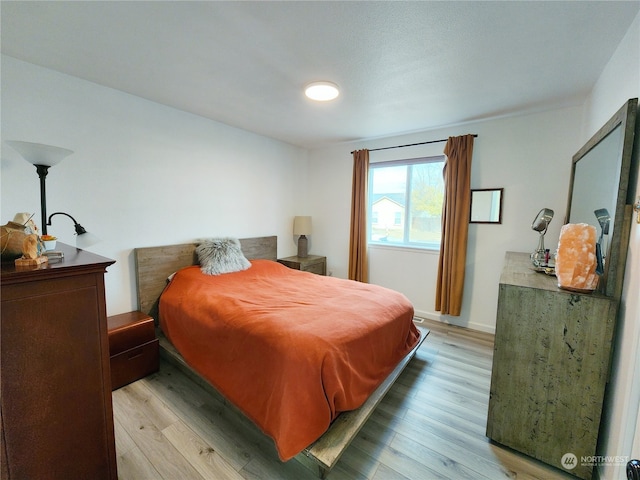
(32, 249)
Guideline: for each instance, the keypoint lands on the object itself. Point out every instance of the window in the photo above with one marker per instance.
(405, 202)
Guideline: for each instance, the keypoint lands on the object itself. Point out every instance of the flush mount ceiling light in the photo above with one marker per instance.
(321, 91)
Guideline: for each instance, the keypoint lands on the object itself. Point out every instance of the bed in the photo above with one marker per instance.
(311, 409)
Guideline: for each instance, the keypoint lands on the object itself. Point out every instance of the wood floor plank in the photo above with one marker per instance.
(447, 443)
(134, 465)
(432, 459)
(477, 444)
(172, 386)
(259, 465)
(430, 425)
(444, 394)
(473, 358)
(476, 417)
(355, 465)
(459, 366)
(400, 462)
(385, 473)
(210, 419)
(204, 458)
(169, 463)
(124, 442)
(138, 396)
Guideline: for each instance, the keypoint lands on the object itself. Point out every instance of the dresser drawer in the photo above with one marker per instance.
(129, 330)
(134, 364)
(315, 268)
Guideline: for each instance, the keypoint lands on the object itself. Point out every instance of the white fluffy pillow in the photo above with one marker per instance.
(221, 255)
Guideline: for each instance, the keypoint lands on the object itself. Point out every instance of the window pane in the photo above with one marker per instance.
(389, 185)
(406, 202)
(427, 193)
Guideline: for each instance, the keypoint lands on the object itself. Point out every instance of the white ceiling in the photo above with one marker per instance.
(402, 66)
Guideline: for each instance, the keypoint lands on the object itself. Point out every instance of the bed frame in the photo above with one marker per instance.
(153, 267)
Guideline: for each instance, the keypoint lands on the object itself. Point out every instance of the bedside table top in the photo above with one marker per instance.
(307, 259)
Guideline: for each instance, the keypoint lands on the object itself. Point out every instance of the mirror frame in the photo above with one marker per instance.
(613, 277)
(501, 190)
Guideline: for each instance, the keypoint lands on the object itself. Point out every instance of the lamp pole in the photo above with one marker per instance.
(43, 170)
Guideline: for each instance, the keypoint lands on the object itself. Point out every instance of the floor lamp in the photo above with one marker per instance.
(43, 157)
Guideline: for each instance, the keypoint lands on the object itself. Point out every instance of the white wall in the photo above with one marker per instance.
(529, 155)
(142, 173)
(618, 82)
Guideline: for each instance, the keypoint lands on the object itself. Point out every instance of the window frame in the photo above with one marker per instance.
(406, 243)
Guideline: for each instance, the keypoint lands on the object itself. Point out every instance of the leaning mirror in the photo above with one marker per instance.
(598, 193)
(486, 205)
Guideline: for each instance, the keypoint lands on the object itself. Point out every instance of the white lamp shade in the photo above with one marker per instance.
(39, 154)
(302, 226)
(86, 240)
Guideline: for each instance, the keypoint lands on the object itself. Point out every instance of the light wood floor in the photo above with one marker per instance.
(431, 425)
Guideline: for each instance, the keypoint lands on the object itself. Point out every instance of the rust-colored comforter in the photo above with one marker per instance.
(291, 349)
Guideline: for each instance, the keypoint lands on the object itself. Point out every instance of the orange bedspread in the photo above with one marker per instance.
(291, 349)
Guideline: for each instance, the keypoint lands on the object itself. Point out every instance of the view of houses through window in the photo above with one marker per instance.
(405, 202)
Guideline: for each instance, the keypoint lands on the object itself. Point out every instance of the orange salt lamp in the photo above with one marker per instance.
(576, 258)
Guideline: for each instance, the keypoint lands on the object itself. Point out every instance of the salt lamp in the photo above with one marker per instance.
(576, 258)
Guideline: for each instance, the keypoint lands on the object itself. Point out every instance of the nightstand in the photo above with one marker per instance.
(133, 347)
(312, 263)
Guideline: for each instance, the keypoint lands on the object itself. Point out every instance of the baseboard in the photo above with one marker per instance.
(438, 317)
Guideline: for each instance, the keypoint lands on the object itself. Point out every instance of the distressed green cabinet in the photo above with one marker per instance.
(551, 363)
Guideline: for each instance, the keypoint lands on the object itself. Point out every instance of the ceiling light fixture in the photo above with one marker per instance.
(322, 91)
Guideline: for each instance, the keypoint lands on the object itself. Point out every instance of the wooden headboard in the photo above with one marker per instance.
(155, 264)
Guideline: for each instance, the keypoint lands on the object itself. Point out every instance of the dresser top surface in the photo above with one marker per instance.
(519, 271)
(308, 259)
(75, 259)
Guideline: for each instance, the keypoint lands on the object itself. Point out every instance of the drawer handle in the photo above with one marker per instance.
(136, 355)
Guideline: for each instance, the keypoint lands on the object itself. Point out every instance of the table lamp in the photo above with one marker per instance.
(302, 227)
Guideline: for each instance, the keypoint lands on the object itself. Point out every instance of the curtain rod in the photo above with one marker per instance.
(411, 144)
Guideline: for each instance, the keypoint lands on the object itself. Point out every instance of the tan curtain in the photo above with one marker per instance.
(358, 265)
(455, 224)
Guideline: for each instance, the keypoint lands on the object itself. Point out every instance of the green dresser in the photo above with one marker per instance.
(551, 364)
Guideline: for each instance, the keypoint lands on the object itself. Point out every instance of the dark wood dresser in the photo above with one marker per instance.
(56, 412)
